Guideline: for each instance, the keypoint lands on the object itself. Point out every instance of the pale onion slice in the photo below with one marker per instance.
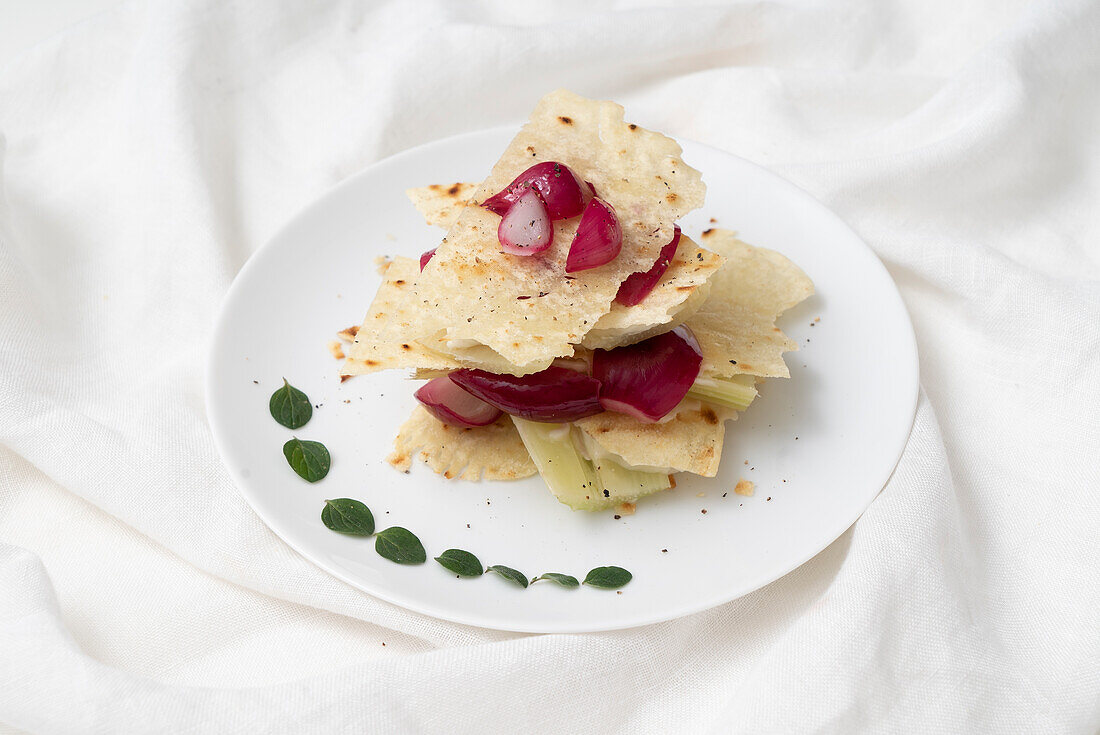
(526, 228)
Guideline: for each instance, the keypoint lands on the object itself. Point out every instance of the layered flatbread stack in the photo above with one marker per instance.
(566, 326)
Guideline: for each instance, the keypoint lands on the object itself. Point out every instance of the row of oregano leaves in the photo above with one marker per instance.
(353, 518)
(311, 460)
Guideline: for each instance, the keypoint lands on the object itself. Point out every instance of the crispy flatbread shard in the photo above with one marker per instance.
(737, 334)
(441, 203)
(680, 293)
(382, 341)
(494, 452)
(640, 173)
(691, 442)
(736, 325)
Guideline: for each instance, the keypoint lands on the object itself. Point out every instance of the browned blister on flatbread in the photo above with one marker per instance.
(494, 452)
(477, 295)
(441, 204)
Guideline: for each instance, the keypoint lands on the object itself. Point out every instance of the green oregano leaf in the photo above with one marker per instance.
(510, 574)
(309, 459)
(400, 545)
(564, 580)
(608, 578)
(345, 515)
(290, 406)
(462, 563)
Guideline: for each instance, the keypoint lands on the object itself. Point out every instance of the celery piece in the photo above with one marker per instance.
(570, 477)
(730, 393)
(619, 484)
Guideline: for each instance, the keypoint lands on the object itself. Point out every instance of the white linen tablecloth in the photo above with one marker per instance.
(148, 152)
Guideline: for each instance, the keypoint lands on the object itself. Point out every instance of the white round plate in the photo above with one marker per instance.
(818, 447)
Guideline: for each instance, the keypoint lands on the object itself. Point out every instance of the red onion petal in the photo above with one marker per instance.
(598, 240)
(648, 379)
(526, 229)
(554, 395)
(426, 257)
(452, 405)
(560, 188)
(638, 285)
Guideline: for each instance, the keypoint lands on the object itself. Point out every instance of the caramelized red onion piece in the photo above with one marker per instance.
(554, 395)
(598, 240)
(526, 229)
(428, 256)
(453, 405)
(646, 380)
(638, 285)
(559, 186)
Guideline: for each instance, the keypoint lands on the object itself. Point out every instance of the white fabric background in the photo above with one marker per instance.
(148, 152)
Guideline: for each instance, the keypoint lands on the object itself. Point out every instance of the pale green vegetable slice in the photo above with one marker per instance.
(736, 393)
(580, 483)
(570, 477)
(619, 484)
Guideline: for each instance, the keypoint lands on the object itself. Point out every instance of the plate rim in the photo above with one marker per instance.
(290, 537)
